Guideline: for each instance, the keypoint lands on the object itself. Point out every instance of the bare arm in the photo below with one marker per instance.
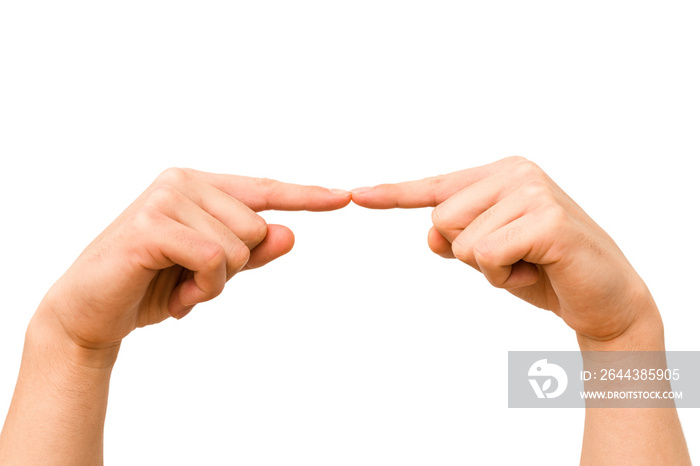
(58, 410)
(174, 247)
(511, 222)
(644, 436)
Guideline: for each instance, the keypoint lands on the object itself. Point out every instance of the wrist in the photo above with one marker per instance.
(46, 334)
(644, 333)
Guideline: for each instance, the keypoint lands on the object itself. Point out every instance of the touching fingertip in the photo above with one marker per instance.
(361, 190)
(340, 192)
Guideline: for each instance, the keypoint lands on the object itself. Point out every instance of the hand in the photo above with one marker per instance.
(175, 247)
(510, 221)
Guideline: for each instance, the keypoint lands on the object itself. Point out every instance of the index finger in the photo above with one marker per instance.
(266, 194)
(428, 192)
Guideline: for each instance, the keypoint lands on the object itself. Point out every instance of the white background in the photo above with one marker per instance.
(360, 346)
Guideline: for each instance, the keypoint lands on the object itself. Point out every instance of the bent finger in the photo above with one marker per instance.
(177, 206)
(232, 213)
(520, 184)
(439, 245)
(278, 242)
(510, 256)
(164, 242)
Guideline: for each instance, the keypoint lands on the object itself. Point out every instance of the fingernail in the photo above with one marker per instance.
(364, 189)
(340, 192)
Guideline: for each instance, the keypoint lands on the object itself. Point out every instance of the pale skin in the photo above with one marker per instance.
(511, 222)
(174, 247)
(190, 232)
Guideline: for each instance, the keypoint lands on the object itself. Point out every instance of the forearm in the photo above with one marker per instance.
(58, 409)
(638, 436)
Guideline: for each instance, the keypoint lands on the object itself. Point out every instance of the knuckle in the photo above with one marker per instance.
(173, 176)
(146, 218)
(266, 184)
(438, 185)
(556, 215)
(536, 190)
(528, 170)
(516, 159)
(162, 195)
(437, 181)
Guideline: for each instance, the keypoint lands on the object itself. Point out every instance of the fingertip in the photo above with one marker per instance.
(361, 190)
(406, 195)
(439, 245)
(184, 312)
(278, 242)
(345, 198)
(334, 199)
(339, 192)
(175, 307)
(363, 196)
(511, 277)
(282, 237)
(522, 274)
